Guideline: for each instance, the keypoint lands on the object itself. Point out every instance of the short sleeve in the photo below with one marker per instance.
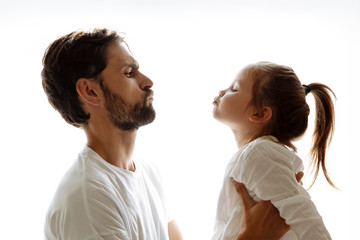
(267, 169)
(105, 214)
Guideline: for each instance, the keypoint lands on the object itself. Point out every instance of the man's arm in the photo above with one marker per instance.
(174, 231)
(260, 221)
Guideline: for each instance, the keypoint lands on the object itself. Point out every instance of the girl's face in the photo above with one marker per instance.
(232, 105)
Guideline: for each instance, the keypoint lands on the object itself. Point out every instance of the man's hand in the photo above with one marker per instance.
(299, 176)
(174, 231)
(260, 221)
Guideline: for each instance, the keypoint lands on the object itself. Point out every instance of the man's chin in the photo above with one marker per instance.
(148, 115)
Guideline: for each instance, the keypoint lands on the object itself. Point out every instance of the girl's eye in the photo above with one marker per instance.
(233, 90)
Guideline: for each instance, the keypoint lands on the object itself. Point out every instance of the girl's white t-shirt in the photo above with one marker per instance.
(267, 169)
(96, 200)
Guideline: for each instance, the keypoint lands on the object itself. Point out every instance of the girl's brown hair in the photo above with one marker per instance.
(279, 88)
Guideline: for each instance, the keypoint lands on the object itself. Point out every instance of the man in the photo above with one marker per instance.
(95, 84)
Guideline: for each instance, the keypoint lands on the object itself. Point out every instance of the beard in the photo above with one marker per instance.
(126, 116)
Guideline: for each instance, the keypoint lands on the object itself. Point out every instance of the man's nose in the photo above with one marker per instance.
(145, 82)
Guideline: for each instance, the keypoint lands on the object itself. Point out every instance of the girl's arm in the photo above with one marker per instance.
(259, 220)
(269, 175)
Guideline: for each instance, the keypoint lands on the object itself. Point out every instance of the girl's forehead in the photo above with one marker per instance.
(246, 71)
(244, 76)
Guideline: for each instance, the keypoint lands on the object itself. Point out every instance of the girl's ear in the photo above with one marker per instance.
(88, 91)
(264, 115)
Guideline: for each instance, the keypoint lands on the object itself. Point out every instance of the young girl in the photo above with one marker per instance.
(266, 109)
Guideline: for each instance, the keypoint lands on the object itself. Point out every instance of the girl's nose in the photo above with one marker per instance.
(222, 93)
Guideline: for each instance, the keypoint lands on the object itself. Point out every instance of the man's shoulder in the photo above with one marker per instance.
(82, 186)
(67, 206)
(70, 191)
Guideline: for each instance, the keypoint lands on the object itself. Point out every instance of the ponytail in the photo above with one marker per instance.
(324, 128)
(279, 87)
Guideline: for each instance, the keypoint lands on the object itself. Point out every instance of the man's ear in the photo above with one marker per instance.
(264, 115)
(88, 91)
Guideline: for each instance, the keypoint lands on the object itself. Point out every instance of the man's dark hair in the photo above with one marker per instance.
(73, 56)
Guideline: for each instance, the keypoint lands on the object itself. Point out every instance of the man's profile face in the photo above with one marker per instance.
(127, 94)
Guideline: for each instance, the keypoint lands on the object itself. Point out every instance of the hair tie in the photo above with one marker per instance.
(306, 88)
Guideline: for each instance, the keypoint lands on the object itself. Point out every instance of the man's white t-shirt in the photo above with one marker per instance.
(267, 169)
(96, 200)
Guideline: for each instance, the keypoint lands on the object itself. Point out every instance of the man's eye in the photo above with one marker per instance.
(129, 74)
(233, 90)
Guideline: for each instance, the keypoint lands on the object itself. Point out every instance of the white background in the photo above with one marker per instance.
(191, 50)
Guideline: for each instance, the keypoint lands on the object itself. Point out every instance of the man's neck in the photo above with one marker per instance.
(114, 145)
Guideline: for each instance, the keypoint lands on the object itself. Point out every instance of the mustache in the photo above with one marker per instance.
(148, 92)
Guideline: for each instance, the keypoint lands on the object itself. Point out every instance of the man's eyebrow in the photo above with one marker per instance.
(133, 65)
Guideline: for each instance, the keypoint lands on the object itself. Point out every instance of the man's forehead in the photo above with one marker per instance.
(130, 61)
(120, 53)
